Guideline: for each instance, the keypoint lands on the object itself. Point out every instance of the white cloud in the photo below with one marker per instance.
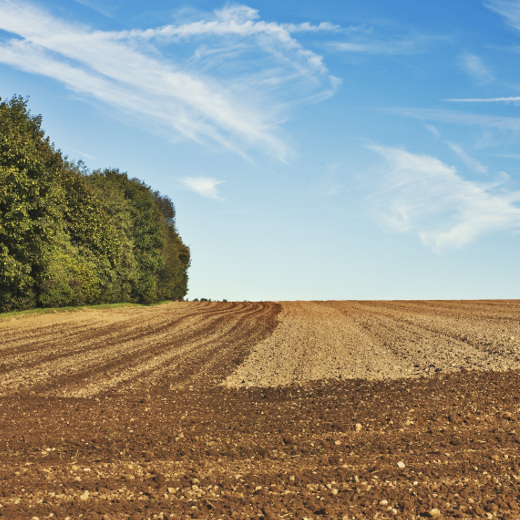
(419, 194)
(511, 99)
(243, 22)
(204, 186)
(307, 27)
(238, 103)
(477, 69)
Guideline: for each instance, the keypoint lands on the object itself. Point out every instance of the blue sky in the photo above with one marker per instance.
(353, 149)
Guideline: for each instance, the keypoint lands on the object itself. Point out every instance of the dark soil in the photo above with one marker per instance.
(448, 443)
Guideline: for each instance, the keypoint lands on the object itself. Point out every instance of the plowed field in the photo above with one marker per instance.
(262, 410)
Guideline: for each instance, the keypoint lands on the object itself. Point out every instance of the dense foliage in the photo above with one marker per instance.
(72, 237)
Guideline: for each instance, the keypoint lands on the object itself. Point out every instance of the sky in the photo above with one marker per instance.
(331, 150)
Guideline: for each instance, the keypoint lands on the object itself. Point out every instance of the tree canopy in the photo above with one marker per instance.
(69, 236)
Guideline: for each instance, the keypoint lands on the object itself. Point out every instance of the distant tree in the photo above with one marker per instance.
(176, 255)
(156, 259)
(30, 203)
(84, 263)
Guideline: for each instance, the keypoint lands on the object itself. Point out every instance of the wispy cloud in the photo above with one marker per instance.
(99, 6)
(433, 130)
(507, 123)
(370, 43)
(419, 194)
(204, 186)
(509, 9)
(476, 68)
(171, 87)
(238, 20)
(471, 162)
(254, 34)
(512, 99)
(374, 47)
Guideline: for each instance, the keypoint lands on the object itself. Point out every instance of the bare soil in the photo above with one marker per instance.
(262, 410)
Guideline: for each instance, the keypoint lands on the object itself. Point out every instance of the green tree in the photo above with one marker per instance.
(69, 237)
(173, 277)
(155, 258)
(30, 198)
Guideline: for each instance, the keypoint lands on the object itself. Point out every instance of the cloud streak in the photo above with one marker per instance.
(373, 47)
(472, 163)
(366, 43)
(421, 195)
(502, 123)
(511, 99)
(164, 82)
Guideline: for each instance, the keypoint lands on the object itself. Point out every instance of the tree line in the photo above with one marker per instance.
(69, 236)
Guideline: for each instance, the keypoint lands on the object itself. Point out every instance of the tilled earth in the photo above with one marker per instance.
(262, 410)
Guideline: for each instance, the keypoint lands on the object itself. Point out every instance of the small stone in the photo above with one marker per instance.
(383, 503)
(434, 513)
(84, 496)
(171, 490)
(358, 427)
(401, 464)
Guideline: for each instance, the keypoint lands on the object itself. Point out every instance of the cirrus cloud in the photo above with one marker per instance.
(419, 194)
(179, 80)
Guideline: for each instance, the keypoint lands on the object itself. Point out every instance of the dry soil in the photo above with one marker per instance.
(262, 410)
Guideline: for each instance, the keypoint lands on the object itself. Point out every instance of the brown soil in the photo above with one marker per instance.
(383, 340)
(262, 410)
